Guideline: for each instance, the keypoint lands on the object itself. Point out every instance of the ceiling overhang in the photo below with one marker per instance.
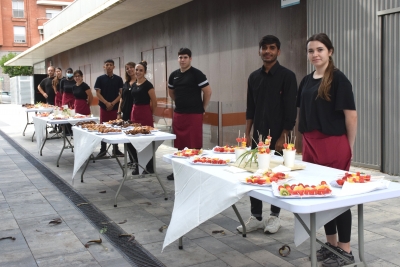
(116, 15)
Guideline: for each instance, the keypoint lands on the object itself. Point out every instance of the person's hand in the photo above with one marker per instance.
(109, 106)
(118, 116)
(45, 95)
(279, 143)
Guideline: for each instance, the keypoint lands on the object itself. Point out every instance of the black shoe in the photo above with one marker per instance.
(335, 261)
(53, 131)
(171, 177)
(135, 171)
(118, 154)
(101, 154)
(324, 253)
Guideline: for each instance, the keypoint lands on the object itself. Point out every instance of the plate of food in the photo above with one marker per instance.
(108, 133)
(187, 153)
(355, 178)
(224, 150)
(300, 190)
(209, 161)
(267, 178)
(133, 135)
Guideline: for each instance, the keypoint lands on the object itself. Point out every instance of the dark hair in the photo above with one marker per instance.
(144, 64)
(268, 40)
(326, 82)
(58, 68)
(109, 61)
(130, 64)
(185, 51)
(78, 72)
(69, 69)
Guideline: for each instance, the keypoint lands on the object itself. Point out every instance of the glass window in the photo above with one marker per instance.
(19, 34)
(51, 13)
(18, 8)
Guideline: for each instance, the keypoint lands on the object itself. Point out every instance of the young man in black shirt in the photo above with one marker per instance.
(46, 87)
(108, 89)
(190, 90)
(271, 108)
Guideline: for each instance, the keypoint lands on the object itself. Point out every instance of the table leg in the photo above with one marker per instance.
(313, 237)
(64, 137)
(361, 233)
(180, 243)
(84, 169)
(125, 173)
(33, 135)
(27, 123)
(155, 171)
(240, 220)
(44, 142)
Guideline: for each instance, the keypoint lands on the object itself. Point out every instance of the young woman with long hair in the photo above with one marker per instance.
(56, 86)
(328, 122)
(82, 93)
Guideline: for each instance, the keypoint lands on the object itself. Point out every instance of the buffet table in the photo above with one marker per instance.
(202, 192)
(36, 110)
(146, 147)
(40, 124)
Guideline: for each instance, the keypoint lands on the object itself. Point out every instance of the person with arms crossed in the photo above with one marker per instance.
(271, 109)
(328, 122)
(46, 86)
(190, 90)
(108, 89)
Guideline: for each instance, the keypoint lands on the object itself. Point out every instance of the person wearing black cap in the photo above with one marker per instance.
(108, 89)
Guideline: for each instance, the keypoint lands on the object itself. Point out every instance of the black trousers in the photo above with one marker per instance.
(257, 205)
(341, 225)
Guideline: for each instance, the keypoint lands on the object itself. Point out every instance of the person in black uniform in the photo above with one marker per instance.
(271, 108)
(46, 86)
(126, 103)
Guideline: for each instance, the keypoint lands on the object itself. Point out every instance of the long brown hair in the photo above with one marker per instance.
(130, 64)
(55, 80)
(326, 82)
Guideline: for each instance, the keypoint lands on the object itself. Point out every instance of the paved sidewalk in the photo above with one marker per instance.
(28, 202)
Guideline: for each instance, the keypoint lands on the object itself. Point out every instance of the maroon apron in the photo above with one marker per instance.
(142, 114)
(58, 99)
(68, 99)
(82, 107)
(188, 129)
(327, 150)
(106, 115)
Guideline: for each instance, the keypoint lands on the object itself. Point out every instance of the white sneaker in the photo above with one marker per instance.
(252, 224)
(272, 225)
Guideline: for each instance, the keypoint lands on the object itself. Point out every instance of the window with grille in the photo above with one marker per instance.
(19, 34)
(18, 8)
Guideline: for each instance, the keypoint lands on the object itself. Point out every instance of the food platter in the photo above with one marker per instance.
(223, 150)
(325, 193)
(334, 183)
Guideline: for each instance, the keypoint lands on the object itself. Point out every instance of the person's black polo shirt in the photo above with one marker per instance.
(271, 101)
(110, 87)
(47, 86)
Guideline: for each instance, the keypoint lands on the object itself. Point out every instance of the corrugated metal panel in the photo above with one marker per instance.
(391, 92)
(354, 29)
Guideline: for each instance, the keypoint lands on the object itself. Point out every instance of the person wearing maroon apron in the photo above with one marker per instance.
(144, 102)
(328, 122)
(56, 86)
(66, 87)
(108, 89)
(126, 103)
(190, 90)
(82, 93)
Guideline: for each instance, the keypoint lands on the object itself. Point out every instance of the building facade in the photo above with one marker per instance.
(21, 25)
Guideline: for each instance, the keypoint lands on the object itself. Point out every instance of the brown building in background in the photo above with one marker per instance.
(21, 26)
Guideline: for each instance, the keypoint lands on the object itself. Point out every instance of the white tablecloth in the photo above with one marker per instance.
(202, 192)
(86, 142)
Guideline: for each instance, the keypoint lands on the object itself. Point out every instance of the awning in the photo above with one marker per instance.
(110, 17)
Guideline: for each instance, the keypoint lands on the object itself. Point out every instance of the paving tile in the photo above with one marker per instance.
(29, 210)
(118, 262)
(265, 258)
(217, 263)
(212, 245)
(8, 224)
(8, 245)
(240, 244)
(209, 227)
(237, 259)
(83, 258)
(21, 257)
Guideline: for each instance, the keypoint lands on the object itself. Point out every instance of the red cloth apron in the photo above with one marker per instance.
(142, 114)
(68, 99)
(188, 129)
(106, 116)
(82, 107)
(58, 99)
(327, 150)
